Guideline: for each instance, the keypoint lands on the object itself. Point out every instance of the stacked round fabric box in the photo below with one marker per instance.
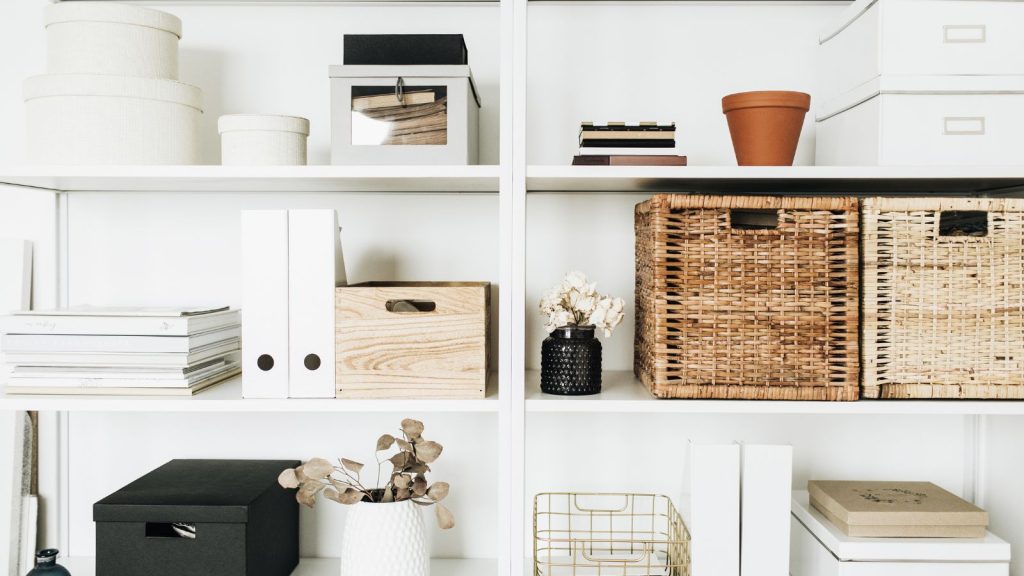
(111, 93)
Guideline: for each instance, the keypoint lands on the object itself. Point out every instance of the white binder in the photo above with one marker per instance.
(712, 509)
(15, 275)
(767, 484)
(265, 303)
(315, 269)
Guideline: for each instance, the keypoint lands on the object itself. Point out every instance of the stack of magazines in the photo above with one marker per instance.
(628, 144)
(122, 351)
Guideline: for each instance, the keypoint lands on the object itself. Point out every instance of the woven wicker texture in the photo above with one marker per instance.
(943, 304)
(725, 310)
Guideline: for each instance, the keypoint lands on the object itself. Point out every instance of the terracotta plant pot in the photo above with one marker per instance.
(765, 126)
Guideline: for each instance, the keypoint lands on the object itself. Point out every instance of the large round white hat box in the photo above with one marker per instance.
(111, 38)
(263, 140)
(111, 120)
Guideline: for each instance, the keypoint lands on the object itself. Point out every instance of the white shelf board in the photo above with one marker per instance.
(855, 180)
(424, 179)
(227, 397)
(621, 392)
(86, 566)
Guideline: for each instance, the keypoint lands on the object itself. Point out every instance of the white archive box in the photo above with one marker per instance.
(919, 37)
(820, 549)
(924, 121)
(404, 115)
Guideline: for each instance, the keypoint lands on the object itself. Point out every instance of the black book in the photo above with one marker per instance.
(405, 49)
(619, 128)
(669, 143)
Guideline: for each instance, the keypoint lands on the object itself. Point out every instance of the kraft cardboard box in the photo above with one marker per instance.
(896, 509)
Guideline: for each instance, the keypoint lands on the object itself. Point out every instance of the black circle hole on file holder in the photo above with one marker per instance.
(265, 362)
(311, 361)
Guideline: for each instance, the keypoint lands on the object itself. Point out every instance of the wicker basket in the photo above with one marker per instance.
(588, 534)
(943, 298)
(747, 297)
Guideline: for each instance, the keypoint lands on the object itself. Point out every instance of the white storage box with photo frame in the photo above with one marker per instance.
(924, 121)
(413, 115)
(818, 548)
(919, 37)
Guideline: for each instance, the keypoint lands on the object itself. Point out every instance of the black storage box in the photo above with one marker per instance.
(405, 49)
(245, 523)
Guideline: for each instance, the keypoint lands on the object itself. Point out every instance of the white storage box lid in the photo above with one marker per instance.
(113, 12)
(159, 89)
(947, 85)
(424, 71)
(850, 549)
(262, 123)
(848, 17)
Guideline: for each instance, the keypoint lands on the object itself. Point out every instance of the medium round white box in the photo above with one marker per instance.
(111, 38)
(111, 120)
(263, 140)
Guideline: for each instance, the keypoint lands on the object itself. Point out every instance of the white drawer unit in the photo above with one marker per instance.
(920, 37)
(818, 548)
(925, 121)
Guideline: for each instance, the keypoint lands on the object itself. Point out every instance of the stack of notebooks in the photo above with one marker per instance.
(623, 144)
(420, 117)
(120, 351)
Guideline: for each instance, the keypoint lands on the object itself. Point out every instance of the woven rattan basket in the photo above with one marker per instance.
(747, 297)
(943, 311)
(620, 534)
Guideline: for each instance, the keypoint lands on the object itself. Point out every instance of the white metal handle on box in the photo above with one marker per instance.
(964, 33)
(963, 126)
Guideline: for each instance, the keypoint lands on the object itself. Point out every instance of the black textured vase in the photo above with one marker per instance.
(570, 362)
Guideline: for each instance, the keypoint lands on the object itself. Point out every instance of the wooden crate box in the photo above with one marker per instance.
(412, 339)
(943, 298)
(743, 297)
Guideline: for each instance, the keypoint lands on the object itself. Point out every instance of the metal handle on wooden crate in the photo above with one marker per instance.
(410, 306)
(964, 33)
(400, 91)
(963, 126)
(625, 503)
(641, 558)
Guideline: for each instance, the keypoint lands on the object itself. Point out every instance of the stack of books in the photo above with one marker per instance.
(420, 117)
(121, 351)
(624, 144)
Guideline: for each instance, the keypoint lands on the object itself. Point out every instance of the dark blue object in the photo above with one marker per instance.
(570, 362)
(46, 564)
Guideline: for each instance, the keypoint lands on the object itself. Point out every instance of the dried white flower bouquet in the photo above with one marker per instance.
(576, 301)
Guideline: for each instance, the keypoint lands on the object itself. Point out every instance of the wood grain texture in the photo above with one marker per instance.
(943, 315)
(727, 312)
(439, 354)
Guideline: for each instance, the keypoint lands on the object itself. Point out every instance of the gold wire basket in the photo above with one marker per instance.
(612, 534)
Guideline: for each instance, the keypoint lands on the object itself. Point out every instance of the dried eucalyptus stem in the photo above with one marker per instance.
(408, 480)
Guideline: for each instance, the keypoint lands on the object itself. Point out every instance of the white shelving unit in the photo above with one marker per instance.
(328, 567)
(169, 235)
(411, 179)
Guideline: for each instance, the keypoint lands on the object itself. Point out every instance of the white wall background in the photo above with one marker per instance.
(263, 58)
(647, 452)
(109, 450)
(664, 61)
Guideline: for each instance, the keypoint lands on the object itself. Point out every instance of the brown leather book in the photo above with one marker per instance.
(625, 160)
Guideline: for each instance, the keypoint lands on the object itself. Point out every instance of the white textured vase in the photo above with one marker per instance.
(384, 540)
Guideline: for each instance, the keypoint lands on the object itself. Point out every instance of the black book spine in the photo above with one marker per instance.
(591, 160)
(628, 143)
